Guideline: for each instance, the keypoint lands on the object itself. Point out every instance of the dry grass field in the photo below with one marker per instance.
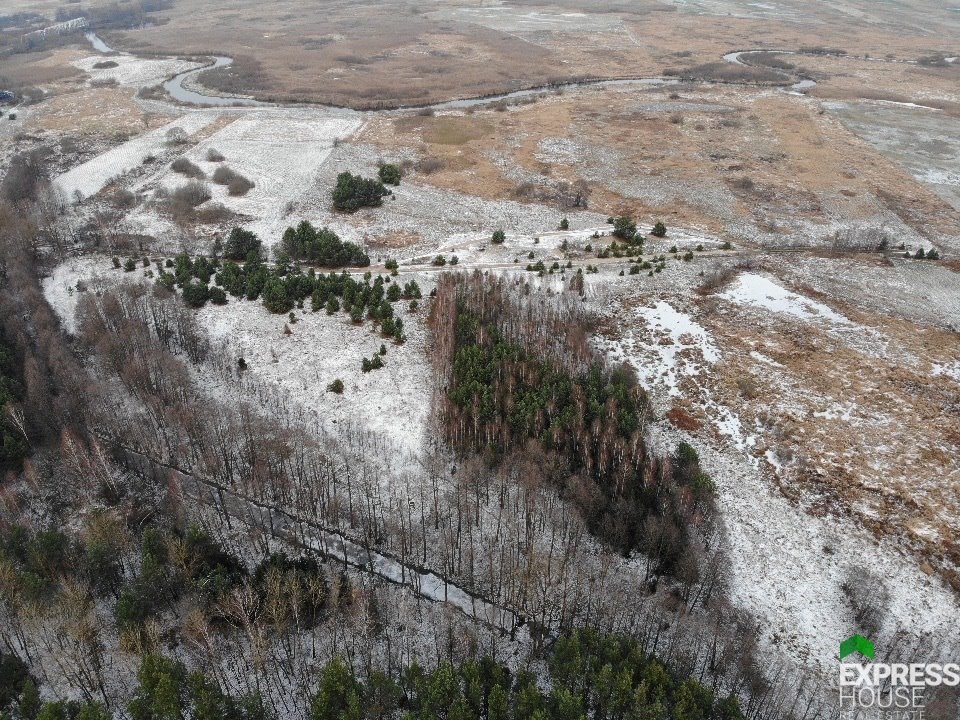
(719, 158)
(399, 52)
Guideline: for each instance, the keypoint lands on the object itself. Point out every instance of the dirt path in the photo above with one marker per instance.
(330, 544)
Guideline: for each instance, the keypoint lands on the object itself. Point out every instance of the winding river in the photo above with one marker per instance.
(175, 86)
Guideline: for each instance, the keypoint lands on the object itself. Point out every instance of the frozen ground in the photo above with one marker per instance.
(133, 71)
(923, 140)
(280, 150)
(90, 177)
(679, 348)
(392, 402)
(787, 566)
(520, 20)
(761, 291)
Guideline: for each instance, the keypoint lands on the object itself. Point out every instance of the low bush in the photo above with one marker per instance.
(389, 174)
(239, 186)
(185, 167)
(192, 194)
(430, 164)
(236, 183)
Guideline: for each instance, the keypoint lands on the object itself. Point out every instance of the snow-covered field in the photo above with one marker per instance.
(133, 71)
(281, 151)
(90, 177)
(392, 402)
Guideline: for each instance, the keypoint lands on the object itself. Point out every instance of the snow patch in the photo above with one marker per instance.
(760, 291)
(680, 349)
(130, 70)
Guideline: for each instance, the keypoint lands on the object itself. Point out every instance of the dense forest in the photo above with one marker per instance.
(589, 676)
(516, 376)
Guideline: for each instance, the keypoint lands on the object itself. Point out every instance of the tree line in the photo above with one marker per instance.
(281, 289)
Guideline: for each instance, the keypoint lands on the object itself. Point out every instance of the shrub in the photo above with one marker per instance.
(236, 183)
(214, 155)
(123, 199)
(130, 265)
(13, 676)
(336, 387)
(176, 136)
(116, 262)
(275, 296)
(431, 164)
(223, 175)
(659, 230)
(240, 244)
(239, 186)
(624, 228)
(375, 363)
(389, 174)
(185, 167)
(439, 261)
(192, 194)
(214, 213)
(353, 192)
(196, 294)
(564, 224)
(218, 296)
(498, 238)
